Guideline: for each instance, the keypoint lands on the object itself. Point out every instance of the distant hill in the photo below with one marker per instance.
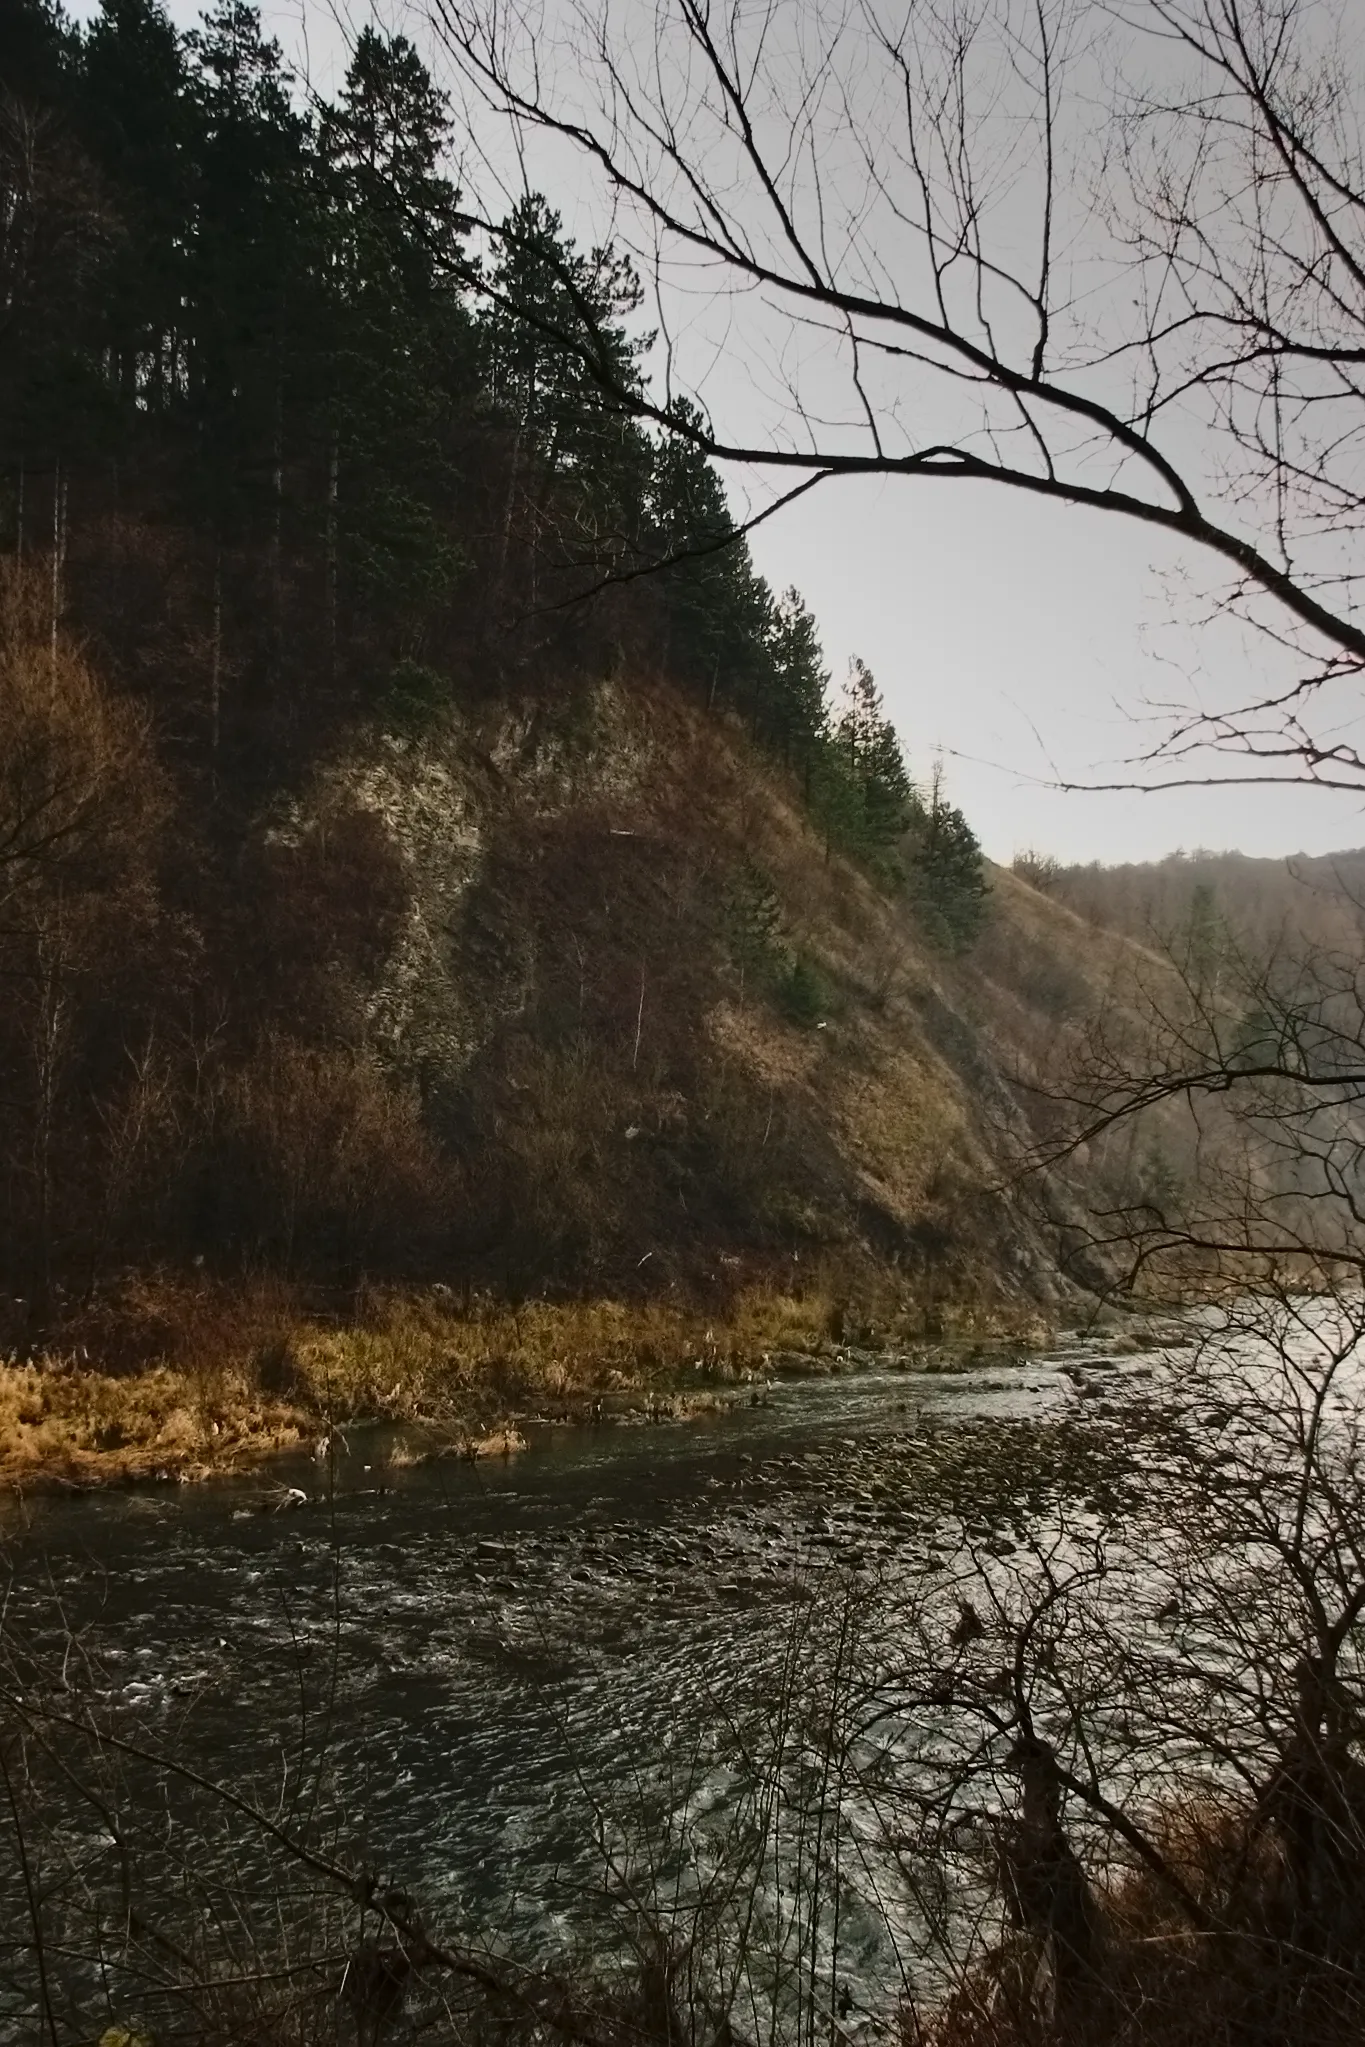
(1305, 898)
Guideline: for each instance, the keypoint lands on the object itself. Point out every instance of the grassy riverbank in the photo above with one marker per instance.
(177, 1382)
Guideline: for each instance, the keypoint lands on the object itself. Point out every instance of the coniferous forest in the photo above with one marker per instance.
(288, 452)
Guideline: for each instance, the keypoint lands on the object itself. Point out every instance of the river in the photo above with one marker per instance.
(492, 1672)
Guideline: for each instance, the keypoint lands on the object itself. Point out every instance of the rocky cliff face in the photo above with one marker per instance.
(668, 1037)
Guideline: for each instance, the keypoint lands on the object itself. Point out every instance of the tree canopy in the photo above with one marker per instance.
(382, 445)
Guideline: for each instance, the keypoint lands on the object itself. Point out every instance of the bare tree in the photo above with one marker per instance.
(1103, 254)
(1147, 1750)
(81, 801)
(1217, 1098)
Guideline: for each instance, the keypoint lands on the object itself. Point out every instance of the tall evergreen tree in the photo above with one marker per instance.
(383, 142)
(556, 330)
(56, 232)
(795, 714)
(399, 356)
(558, 348)
(139, 121)
(866, 739)
(720, 611)
(252, 264)
(41, 52)
(947, 870)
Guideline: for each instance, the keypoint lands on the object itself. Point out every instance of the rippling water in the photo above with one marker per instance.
(504, 1662)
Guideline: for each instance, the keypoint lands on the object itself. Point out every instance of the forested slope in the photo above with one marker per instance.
(398, 884)
(1309, 900)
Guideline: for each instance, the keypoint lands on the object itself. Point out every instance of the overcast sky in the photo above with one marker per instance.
(1029, 643)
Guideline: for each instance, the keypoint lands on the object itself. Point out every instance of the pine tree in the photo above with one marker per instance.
(399, 355)
(558, 351)
(865, 739)
(947, 871)
(795, 715)
(139, 121)
(42, 51)
(253, 263)
(720, 611)
(56, 232)
(383, 143)
(558, 344)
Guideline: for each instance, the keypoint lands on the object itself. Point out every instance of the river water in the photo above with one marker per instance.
(497, 1668)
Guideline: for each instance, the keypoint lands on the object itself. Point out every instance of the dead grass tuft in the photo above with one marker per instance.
(64, 1421)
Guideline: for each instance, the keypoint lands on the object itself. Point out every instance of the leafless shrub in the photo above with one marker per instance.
(81, 804)
(319, 1146)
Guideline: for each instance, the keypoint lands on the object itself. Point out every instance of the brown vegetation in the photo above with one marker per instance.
(1244, 1976)
(179, 1381)
(505, 1006)
(1308, 901)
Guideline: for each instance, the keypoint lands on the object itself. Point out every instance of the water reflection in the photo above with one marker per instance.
(509, 1668)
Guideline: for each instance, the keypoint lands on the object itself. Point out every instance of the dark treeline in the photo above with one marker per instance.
(377, 463)
(284, 446)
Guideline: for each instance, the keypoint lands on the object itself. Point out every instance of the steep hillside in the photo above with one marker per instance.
(1218, 1077)
(558, 993)
(437, 873)
(671, 1036)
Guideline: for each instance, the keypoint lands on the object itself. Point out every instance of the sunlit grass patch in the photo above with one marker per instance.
(185, 1380)
(64, 1420)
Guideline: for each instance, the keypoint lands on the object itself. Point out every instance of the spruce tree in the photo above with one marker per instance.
(866, 743)
(947, 871)
(558, 349)
(720, 612)
(399, 360)
(252, 265)
(794, 714)
(56, 233)
(139, 122)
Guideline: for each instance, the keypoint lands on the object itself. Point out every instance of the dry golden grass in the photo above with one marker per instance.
(185, 1381)
(70, 1423)
(420, 1355)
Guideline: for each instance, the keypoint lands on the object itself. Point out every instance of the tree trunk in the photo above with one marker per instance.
(333, 491)
(58, 550)
(216, 670)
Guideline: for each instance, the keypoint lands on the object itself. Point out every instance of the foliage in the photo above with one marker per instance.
(866, 740)
(752, 920)
(804, 994)
(948, 874)
(412, 696)
(719, 610)
(286, 457)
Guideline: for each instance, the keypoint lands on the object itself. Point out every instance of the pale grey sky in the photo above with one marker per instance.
(1027, 642)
